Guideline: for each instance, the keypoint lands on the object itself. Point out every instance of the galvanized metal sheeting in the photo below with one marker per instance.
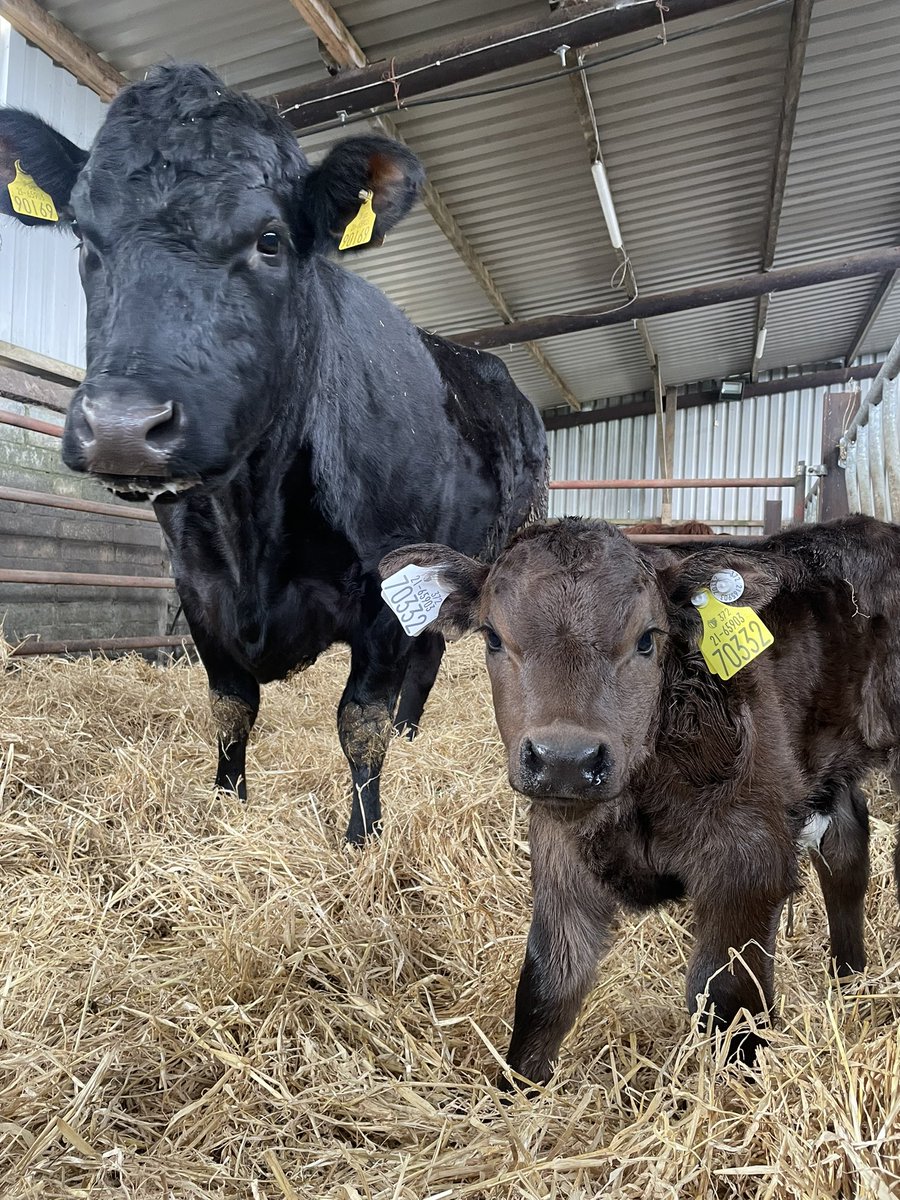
(762, 436)
(41, 302)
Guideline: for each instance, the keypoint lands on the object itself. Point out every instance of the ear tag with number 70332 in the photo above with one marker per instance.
(732, 637)
(415, 595)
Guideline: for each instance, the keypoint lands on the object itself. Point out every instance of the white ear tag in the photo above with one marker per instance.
(415, 595)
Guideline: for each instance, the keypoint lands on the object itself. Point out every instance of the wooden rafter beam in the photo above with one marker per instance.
(63, 46)
(479, 54)
(741, 287)
(344, 49)
(872, 313)
(790, 98)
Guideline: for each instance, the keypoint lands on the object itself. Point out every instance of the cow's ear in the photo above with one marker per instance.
(39, 163)
(736, 576)
(460, 577)
(358, 172)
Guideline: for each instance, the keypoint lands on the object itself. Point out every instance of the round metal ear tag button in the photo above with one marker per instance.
(727, 586)
(700, 600)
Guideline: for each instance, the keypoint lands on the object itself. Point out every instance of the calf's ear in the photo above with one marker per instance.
(336, 190)
(757, 577)
(47, 158)
(462, 578)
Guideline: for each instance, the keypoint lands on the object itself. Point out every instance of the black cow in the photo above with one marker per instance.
(289, 423)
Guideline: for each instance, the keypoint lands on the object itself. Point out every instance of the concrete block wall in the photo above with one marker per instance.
(37, 538)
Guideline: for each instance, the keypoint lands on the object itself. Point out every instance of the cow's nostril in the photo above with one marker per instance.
(532, 757)
(162, 426)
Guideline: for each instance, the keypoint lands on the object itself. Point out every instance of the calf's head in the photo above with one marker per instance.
(198, 218)
(580, 629)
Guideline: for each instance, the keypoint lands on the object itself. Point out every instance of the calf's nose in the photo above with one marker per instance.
(126, 437)
(563, 764)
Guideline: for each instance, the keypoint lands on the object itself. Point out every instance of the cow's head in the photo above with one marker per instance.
(199, 218)
(579, 627)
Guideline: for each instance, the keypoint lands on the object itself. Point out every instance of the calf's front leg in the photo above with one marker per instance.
(571, 929)
(732, 967)
(842, 864)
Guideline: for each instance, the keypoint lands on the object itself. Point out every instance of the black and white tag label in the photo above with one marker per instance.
(415, 595)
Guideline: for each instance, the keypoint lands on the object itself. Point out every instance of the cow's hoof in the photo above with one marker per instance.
(359, 837)
(236, 789)
(405, 729)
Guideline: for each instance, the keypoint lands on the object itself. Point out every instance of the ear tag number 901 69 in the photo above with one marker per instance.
(29, 199)
(732, 637)
(359, 231)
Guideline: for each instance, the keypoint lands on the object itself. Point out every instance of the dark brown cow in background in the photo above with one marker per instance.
(653, 778)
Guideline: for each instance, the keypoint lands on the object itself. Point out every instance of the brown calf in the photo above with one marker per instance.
(651, 777)
(693, 527)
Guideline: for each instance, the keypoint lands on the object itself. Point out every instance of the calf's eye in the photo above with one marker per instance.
(493, 639)
(268, 242)
(645, 643)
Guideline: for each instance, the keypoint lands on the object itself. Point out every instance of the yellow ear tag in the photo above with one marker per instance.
(732, 637)
(359, 231)
(29, 199)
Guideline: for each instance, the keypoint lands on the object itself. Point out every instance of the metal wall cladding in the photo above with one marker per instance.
(762, 436)
(41, 301)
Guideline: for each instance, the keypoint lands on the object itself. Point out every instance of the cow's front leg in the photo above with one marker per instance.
(571, 929)
(378, 659)
(732, 967)
(234, 700)
(424, 663)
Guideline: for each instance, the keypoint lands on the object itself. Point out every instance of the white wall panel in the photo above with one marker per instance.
(41, 302)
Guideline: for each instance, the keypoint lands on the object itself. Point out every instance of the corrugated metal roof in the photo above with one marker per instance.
(689, 132)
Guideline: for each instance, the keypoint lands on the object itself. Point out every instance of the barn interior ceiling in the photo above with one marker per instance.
(736, 136)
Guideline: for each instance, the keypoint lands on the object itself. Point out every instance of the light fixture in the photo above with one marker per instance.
(731, 389)
(761, 343)
(606, 203)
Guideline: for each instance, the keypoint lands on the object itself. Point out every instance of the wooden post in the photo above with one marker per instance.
(839, 410)
(772, 517)
(669, 450)
(659, 406)
(799, 495)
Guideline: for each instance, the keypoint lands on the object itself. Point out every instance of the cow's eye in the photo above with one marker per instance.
(268, 242)
(645, 643)
(493, 639)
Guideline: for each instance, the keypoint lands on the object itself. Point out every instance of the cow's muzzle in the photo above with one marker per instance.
(111, 434)
(562, 763)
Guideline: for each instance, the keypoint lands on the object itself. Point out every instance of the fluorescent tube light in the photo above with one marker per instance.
(606, 203)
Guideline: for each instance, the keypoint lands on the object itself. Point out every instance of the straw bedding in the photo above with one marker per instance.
(204, 999)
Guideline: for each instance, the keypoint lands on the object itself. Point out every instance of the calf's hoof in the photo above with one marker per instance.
(524, 1080)
(743, 1047)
